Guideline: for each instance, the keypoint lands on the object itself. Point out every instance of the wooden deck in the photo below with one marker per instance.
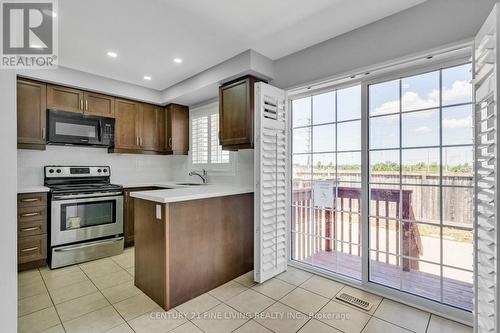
(456, 293)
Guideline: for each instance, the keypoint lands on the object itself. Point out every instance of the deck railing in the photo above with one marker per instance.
(317, 229)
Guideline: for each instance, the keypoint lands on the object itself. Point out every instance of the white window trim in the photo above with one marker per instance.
(227, 169)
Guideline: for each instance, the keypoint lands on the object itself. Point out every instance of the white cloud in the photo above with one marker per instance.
(411, 101)
(458, 122)
(387, 107)
(423, 129)
(459, 91)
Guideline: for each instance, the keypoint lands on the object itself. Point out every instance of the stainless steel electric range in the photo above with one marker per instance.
(86, 214)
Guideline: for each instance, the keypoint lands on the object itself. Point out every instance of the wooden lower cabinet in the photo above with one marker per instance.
(192, 247)
(128, 213)
(32, 248)
(31, 230)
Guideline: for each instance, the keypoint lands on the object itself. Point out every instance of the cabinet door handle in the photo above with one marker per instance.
(86, 105)
(170, 142)
(29, 200)
(81, 104)
(43, 133)
(140, 141)
(30, 229)
(29, 214)
(29, 249)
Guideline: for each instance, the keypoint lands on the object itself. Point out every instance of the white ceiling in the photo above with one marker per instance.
(148, 34)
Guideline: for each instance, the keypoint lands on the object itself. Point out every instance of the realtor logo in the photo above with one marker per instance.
(29, 34)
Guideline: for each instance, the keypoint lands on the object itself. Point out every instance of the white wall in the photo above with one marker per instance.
(430, 25)
(8, 202)
(205, 85)
(243, 174)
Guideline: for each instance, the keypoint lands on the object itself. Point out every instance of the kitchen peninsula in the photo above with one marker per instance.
(191, 240)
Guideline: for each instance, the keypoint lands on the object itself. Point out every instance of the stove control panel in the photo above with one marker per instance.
(57, 171)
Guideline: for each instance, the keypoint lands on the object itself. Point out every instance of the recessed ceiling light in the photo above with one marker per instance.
(148, 78)
(178, 60)
(112, 54)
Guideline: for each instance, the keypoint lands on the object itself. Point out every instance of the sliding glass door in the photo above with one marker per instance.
(326, 171)
(419, 177)
(421, 184)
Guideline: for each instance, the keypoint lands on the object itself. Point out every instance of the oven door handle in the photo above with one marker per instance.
(88, 195)
(72, 248)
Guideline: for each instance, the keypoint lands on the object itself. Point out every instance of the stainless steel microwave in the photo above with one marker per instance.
(70, 128)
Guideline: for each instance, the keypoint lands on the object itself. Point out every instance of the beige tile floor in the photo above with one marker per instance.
(100, 296)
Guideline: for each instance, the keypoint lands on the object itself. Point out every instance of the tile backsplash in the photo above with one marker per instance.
(125, 168)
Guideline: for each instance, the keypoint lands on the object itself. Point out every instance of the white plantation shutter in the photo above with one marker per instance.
(271, 174)
(217, 155)
(199, 140)
(486, 197)
(205, 147)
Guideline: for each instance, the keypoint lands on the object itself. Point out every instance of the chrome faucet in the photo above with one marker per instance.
(202, 175)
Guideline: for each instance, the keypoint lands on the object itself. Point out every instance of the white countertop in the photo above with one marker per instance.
(33, 189)
(41, 188)
(191, 193)
(147, 184)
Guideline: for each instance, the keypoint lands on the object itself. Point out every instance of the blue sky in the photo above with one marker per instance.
(420, 128)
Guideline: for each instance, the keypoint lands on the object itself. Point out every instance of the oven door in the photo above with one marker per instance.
(73, 128)
(85, 218)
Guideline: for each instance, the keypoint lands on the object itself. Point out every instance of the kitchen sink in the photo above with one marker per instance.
(190, 184)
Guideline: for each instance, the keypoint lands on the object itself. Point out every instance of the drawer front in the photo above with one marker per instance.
(31, 248)
(31, 199)
(31, 214)
(31, 228)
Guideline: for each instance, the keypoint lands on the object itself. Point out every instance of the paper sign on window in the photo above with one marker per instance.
(323, 194)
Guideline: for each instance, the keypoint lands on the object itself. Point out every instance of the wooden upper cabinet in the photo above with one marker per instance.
(99, 105)
(65, 99)
(31, 110)
(148, 123)
(139, 127)
(236, 101)
(176, 129)
(127, 115)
